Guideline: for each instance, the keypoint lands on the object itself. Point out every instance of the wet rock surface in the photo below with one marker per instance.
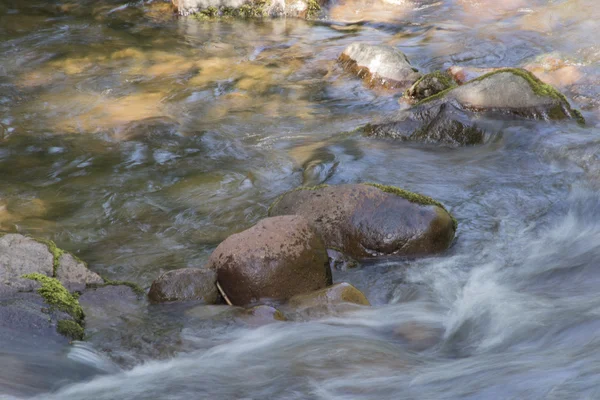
(341, 261)
(120, 323)
(452, 117)
(276, 258)
(27, 315)
(185, 284)
(429, 85)
(205, 9)
(336, 294)
(379, 65)
(37, 279)
(368, 221)
(435, 123)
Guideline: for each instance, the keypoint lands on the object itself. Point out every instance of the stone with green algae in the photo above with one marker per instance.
(372, 220)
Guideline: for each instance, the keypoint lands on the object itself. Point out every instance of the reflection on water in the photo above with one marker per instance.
(139, 141)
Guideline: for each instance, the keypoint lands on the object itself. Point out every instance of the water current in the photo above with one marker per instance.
(260, 107)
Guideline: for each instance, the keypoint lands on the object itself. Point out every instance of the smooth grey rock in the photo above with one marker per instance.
(20, 255)
(379, 65)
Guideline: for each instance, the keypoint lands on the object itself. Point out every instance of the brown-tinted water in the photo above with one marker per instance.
(242, 111)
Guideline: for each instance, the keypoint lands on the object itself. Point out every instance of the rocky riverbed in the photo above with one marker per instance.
(298, 199)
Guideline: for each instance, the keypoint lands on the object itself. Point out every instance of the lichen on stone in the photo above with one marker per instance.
(56, 295)
(313, 8)
(70, 329)
(413, 198)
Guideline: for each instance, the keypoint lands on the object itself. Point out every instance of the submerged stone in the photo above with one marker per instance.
(379, 65)
(277, 258)
(185, 284)
(371, 220)
(336, 294)
(260, 315)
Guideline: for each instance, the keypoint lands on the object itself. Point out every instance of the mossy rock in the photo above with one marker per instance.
(70, 329)
(56, 295)
(510, 90)
(429, 85)
(59, 298)
(371, 220)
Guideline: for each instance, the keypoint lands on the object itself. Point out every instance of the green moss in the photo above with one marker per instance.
(255, 9)
(537, 86)
(313, 8)
(435, 96)
(578, 116)
(56, 295)
(278, 199)
(55, 250)
(442, 77)
(70, 329)
(413, 198)
(540, 88)
(137, 289)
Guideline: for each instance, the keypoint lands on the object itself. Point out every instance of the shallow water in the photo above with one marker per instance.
(257, 108)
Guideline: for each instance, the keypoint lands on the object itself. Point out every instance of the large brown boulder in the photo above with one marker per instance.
(277, 258)
(368, 220)
(185, 284)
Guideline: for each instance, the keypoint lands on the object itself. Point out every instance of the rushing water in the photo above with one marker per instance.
(257, 108)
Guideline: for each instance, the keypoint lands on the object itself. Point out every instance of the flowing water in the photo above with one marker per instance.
(245, 110)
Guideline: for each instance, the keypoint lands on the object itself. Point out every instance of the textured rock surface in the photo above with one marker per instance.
(185, 284)
(429, 85)
(20, 255)
(26, 315)
(433, 123)
(379, 65)
(366, 221)
(276, 258)
(74, 274)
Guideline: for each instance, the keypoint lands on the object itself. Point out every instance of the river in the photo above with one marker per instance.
(261, 107)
